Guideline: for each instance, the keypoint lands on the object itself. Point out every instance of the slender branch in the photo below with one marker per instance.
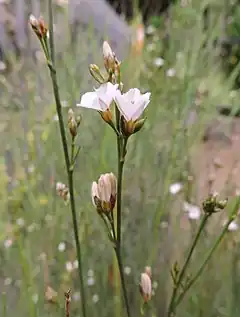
(202, 267)
(120, 265)
(68, 163)
(178, 283)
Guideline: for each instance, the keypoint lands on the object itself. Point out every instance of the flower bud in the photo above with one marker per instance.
(109, 57)
(96, 74)
(104, 193)
(38, 26)
(145, 287)
(72, 123)
(63, 191)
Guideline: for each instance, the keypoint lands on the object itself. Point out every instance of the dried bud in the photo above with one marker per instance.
(63, 191)
(212, 205)
(109, 57)
(96, 74)
(104, 193)
(72, 123)
(145, 287)
(38, 26)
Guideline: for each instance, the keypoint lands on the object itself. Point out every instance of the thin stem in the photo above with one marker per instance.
(210, 253)
(68, 163)
(120, 265)
(178, 284)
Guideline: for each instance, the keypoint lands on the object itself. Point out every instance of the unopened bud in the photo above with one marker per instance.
(72, 123)
(145, 287)
(38, 26)
(109, 57)
(96, 74)
(63, 191)
(104, 193)
(212, 205)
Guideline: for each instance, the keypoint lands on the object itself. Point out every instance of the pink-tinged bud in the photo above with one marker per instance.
(109, 57)
(148, 271)
(104, 193)
(145, 287)
(63, 191)
(72, 123)
(39, 26)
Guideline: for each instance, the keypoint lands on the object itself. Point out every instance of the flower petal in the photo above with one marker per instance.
(90, 100)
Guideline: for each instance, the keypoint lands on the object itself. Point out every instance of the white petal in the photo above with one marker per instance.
(124, 106)
(193, 211)
(175, 188)
(233, 226)
(90, 100)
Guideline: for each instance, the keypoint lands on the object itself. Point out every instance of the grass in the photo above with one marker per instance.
(38, 223)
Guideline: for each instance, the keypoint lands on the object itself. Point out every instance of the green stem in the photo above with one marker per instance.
(202, 267)
(120, 265)
(172, 306)
(68, 163)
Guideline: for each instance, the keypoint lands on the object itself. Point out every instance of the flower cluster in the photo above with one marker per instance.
(130, 104)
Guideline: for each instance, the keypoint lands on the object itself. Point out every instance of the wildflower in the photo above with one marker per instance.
(193, 211)
(38, 26)
(69, 266)
(8, 243)
(233, 226)
(63, 191)
(175, 188)
(100, 100)
(159, 62)
(109, 57)
(150, 30)
(95, 298)
(145, 287)
(127, 270)
(171, 72)
(90, 281)
(131, 106)
(104, 193)
(62, 247)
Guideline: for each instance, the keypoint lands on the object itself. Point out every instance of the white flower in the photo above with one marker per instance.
(175, 188)
(91, 281)
(132, 104)
(61, 247)
(150, 30)
(233, 226)
(95, 298)
(127, 270)
(100, 99)
(69, 266)
(171, 72)
(158, 62)
(193, 211)
(146, 287)
(8, 243)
